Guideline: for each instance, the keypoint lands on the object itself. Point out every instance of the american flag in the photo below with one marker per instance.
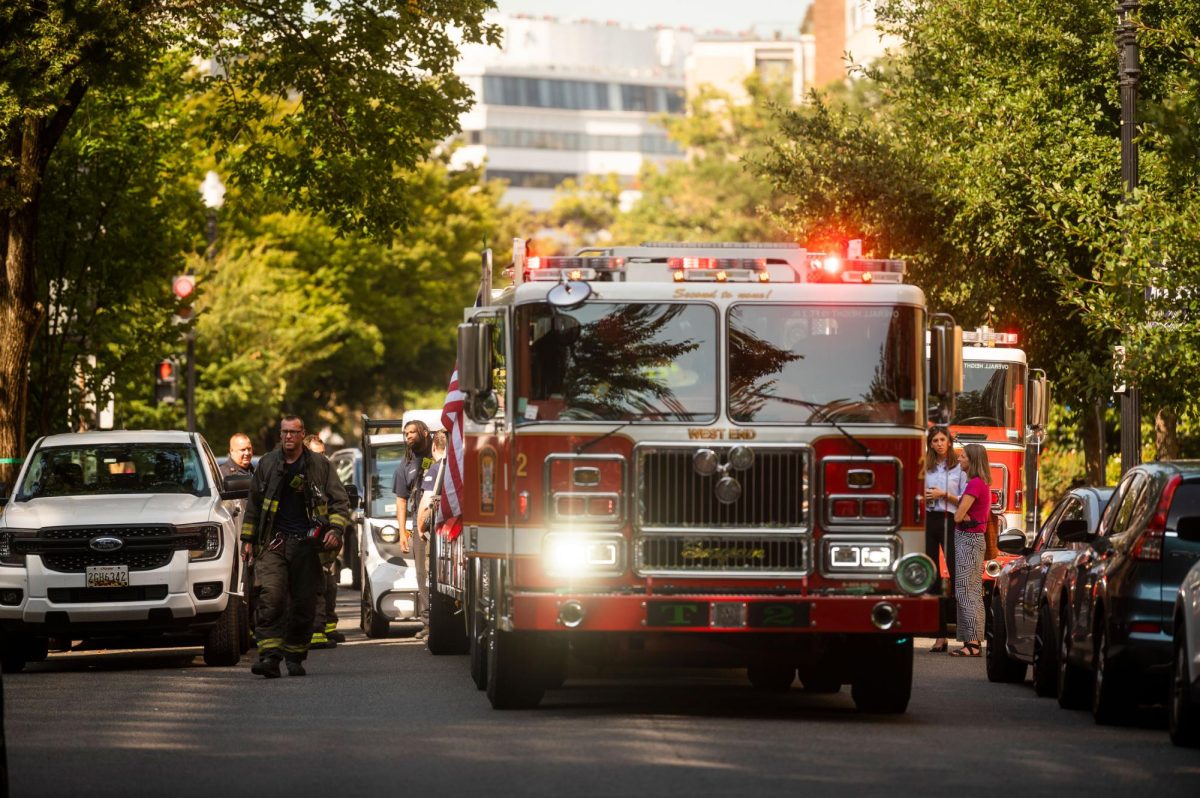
(452, 421)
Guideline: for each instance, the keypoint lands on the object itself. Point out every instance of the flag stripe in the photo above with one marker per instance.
(452, 420)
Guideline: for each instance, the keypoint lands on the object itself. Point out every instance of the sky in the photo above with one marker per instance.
(699, 15)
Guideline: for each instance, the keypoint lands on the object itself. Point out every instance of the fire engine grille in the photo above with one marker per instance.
(77, 562)
(672, 495)
(724, 555)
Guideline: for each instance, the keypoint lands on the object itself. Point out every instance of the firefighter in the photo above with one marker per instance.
(325, 631)
(297, 508)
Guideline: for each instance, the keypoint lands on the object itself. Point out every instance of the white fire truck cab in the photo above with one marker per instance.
(695, 454)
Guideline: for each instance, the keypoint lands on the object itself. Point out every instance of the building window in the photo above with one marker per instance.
(518, 178)
(578, 95)
(521, 138)
(774, 66)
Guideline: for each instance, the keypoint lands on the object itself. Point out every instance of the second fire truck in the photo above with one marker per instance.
(694, 454)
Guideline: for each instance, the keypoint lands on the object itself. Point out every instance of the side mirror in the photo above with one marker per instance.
(474, 358)
(1188, 528)
(352, 493)
(3, 493)
(1039, 399)
(1011, 542)
(1101, 545)
(1073, 530)
(945, 359)
(235, 486)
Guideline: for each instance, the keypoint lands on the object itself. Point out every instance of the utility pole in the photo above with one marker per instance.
(1129, 73)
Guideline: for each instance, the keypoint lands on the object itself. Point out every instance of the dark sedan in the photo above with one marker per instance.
(1115, 645)
(1028, 596)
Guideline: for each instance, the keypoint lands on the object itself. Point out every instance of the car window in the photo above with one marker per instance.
(343, 464)
(1132, 508)
(1048, 527)
(1114, 506)
(1072, 511)
(1185, 503)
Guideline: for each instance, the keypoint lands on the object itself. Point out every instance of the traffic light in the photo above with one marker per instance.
(184, 288)
(166, 384)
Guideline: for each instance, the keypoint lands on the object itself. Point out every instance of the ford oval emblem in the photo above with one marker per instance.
(105, 543)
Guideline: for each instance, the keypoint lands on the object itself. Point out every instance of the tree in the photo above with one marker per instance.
(322, 102)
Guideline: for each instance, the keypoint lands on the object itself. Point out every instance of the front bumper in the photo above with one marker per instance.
(914, 615)
(393, 590)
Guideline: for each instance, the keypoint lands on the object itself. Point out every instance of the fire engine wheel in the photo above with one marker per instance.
(513, 671)
(884, 682)
(1000, 667)
(771, 678)
(477, 592)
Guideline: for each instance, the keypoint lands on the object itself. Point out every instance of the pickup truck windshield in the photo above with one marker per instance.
(114, 469)
(826, 364)
(616, 362)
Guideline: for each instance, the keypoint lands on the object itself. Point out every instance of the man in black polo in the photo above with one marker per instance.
(297, 508)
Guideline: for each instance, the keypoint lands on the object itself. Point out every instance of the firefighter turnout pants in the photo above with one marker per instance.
(325, 620)
(287, 577)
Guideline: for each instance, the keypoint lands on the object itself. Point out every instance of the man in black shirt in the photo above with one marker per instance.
(297, 508)
(407, 487)
(241, 456)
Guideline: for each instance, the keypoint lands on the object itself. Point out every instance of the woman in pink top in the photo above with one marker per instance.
(970, 524)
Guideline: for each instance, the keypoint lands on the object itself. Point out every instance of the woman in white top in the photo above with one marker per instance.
(944, 482)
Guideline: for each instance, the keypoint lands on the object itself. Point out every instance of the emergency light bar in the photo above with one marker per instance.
(719, 269)
(832, 269)
(575, 268)
(986, 336)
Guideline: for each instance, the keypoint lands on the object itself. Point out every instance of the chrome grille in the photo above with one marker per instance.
(672, 495)
(77, 562)
(724, 555)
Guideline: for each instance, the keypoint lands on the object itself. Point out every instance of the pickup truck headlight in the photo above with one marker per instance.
(208, 544)
(8, 546)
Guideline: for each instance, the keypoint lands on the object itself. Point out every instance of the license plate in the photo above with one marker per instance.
(108, 576)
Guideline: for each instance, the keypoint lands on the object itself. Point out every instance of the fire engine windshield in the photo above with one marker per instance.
(992, 395)
(824, 364)
(616, 362)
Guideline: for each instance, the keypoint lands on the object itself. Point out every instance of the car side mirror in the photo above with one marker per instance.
(1011, 542)
(235, 486)
(352, 493)
(1188, 528)
(1073, 530)
(1101, 545)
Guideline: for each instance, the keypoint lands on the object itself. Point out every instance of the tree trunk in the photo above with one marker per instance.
(1166, 435)
(1093, 443)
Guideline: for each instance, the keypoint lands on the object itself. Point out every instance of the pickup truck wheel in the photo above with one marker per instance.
(447, 635)
(883, 684)
(372, 623)
(223, 643)
(771, 678)
(1000, 667)
(514, 673)
(1045, 656)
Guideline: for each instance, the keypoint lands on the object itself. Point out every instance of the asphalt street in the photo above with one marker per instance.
(384, 717)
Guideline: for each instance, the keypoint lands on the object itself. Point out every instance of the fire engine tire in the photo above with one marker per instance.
(1072, 687)
(771, 678)
(1045, 656)
(1000, 667)
(883, 684)
(478, 637)
(447, 634)
(373, 624)
(223, 643)
(515, 678)
(1111, 691)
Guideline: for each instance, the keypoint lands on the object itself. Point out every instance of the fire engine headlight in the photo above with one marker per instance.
(728, 490)
(915, 573)
(741, 457)
(570, 554)
(388, 533)
(859, 556)
(705, 462)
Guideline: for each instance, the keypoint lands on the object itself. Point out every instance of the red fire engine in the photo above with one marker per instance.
(694, 454)
(1003, 406)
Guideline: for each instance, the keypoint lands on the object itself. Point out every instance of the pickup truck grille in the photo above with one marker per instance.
(724, 555)
(144, 548)
(78, 562)
(671, 495)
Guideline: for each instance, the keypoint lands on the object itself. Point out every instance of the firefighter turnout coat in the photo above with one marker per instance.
(325, 496)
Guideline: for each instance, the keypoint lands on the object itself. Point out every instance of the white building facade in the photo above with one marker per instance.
(561, 100)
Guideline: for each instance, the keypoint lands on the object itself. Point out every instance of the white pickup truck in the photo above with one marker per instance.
(129, 534)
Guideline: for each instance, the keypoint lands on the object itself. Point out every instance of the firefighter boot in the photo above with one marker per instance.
(321, 640)
(295, 667)
(331, 632)
(267, 666)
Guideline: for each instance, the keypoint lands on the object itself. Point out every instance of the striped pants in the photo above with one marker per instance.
(968, 584)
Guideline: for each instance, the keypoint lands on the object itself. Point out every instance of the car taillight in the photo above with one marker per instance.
(1149, 547)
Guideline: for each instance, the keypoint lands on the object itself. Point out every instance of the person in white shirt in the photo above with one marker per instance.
(944, 483)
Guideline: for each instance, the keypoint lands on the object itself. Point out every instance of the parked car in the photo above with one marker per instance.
(1184, 705)
(387, 575)
(1028, 595)
(122, 534)
(1116, 642)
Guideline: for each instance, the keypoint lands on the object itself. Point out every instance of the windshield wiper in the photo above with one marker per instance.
(822, 410)
(583, 447)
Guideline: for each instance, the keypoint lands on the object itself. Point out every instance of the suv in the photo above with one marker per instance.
(121, 534)
(1116, 635)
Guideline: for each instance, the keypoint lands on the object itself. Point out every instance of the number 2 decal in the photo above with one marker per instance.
(522, 461)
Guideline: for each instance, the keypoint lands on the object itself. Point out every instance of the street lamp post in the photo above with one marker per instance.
(1129, 73)
(213, 192)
